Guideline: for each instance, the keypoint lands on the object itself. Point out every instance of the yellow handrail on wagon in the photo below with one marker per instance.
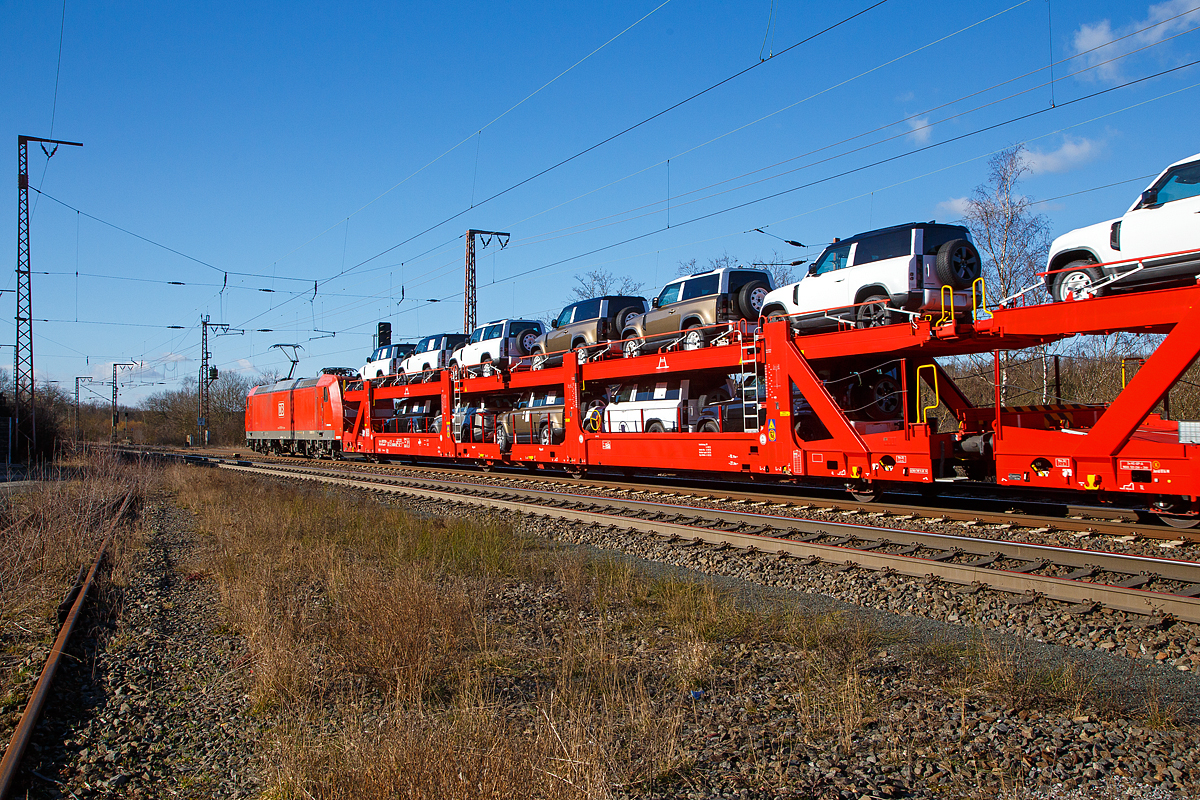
(921, 415)
(947, 316)
(979, 301)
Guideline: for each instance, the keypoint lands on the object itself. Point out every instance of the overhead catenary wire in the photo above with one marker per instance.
(510, 276)
(615, 136)
(496, 119)
(1106, 44)
(534, 238)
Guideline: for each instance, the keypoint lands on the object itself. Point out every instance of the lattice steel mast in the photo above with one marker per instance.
(23, 378)
(469, 282)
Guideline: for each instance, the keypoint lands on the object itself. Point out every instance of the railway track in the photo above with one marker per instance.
(1159, 588)
(1008, 514)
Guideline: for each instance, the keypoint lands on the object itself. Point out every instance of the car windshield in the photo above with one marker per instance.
(1180, 183)
(832, 259)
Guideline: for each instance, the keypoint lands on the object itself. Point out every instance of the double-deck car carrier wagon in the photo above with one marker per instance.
(849, 407)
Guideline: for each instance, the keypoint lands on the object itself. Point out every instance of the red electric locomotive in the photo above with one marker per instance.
(302, 417)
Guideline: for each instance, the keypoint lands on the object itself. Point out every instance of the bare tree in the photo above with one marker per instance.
(1012, 240)
(690, 267)
(601, 282)
(782, 270)
(268, 376)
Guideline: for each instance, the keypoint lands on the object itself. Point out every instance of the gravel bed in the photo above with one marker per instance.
(150, 703)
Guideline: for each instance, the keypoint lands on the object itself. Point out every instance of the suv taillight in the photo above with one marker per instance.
(722, 307)
(602, 328)
(504, 349)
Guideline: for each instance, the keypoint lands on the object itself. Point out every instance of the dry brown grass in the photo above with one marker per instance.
(414, 657)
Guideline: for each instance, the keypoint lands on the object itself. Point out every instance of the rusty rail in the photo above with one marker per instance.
(11, 762)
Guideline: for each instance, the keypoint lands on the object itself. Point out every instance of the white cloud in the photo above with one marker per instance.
(1096, 34)
(172, 358)
(244, 365)
(1072, 154)
(955, 207)
(920, 129)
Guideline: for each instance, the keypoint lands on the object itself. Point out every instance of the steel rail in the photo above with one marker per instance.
(1111, 522)
(1132, 600)
(1123, 563)
(11, 762)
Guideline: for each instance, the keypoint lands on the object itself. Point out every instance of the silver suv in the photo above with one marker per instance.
(432, 353)
(386, 360)
(870, 279)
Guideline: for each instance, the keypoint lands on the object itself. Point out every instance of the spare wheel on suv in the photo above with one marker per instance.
(749, 299)
(526, 339)
(620, 320)
(957, 264)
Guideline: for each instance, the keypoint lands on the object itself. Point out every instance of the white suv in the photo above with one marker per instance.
(869, 279)
(431, 354)
(661, 405)
(386, 360)
(497, 344)
(1163, 223)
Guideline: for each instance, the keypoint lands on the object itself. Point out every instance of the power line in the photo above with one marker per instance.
(165, 247)
(485, 127)
(614, 136)
(873, 164)
(534, 238)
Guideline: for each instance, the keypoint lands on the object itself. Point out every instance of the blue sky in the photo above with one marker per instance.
(297, 143)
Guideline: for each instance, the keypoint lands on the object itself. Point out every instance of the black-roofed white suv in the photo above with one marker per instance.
(1156, 243)
(872, 278)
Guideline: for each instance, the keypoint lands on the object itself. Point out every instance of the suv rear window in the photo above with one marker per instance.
(741, 277)
(701, 287)
(938, 235)
(892, 244)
